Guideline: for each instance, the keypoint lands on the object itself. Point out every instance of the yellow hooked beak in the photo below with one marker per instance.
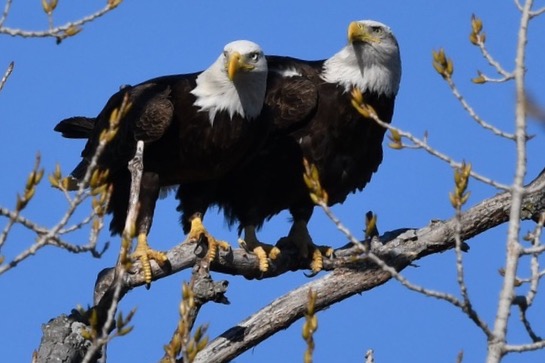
(235, 63)
(358, 32)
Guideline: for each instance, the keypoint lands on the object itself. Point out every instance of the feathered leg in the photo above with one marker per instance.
(195, 199)
(300, 237)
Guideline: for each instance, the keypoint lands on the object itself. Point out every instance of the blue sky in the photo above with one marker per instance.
(143, 39)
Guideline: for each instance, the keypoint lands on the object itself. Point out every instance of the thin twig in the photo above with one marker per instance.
(57, 31)
(21, 220)
(493, 80)
(424, 145)
(497, 345)
(532, 250)
(6, 75)
(537, 12)
(473, 114)
(465, 306)
(50, 236)
(50, 20)
(341, 227)
(506, 76)
(13, 217)
(7, 7)
(523, 308)
(76, 226)
(438, 295)
(534, 262)
(529, 280)
(104, 337)
(524, 347)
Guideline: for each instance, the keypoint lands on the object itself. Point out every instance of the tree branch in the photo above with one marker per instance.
(59, 31)
(345, 282)
(6, 75)
(496, 347)
(356, 275)
(198, 292)
(437, 237)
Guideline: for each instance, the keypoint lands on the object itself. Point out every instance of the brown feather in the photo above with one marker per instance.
(181, 145)
(325, 128)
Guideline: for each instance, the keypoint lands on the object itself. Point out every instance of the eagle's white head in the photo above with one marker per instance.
(235, 83)
(370, 62)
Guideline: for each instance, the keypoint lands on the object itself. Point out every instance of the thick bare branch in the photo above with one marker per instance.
(285, 310)
(356, 275)
(345, 282)
(437, 237)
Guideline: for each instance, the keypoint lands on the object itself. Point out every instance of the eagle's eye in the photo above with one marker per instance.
(377, 30)
(254, 56)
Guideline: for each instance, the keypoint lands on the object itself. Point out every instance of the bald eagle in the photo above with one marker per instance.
(309, 104)
(195, 127)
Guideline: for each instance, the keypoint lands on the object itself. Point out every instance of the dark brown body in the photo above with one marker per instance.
(311, 119)
(181, 144)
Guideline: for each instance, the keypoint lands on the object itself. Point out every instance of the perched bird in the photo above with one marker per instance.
(195, 127)
(310, 106)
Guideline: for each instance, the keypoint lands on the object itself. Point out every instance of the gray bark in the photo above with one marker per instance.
(349, 276)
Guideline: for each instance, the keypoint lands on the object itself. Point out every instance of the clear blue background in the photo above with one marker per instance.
(144, 39)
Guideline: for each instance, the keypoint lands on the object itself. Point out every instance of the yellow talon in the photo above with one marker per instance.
(214, 245)
(144, 253)
(263, 252)
(198, 230)
(326, 251)
(262, 258)
(274, 253)
(317, 261)
(318, 254)
(300, 238)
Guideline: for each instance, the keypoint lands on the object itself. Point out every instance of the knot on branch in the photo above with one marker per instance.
(204, 288)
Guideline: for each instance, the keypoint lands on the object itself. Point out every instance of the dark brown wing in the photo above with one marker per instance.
(292, 94)
(147, 119)
(267, 179)
(290, 102)
(153, 111)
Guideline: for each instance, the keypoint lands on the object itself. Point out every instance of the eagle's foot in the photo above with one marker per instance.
(318, 254)
(214, 245)
(145, 253)
(262, 251)
(306, 249)
(198, 231)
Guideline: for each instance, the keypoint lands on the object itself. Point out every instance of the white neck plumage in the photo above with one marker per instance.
(215, 92)
(368, 68)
